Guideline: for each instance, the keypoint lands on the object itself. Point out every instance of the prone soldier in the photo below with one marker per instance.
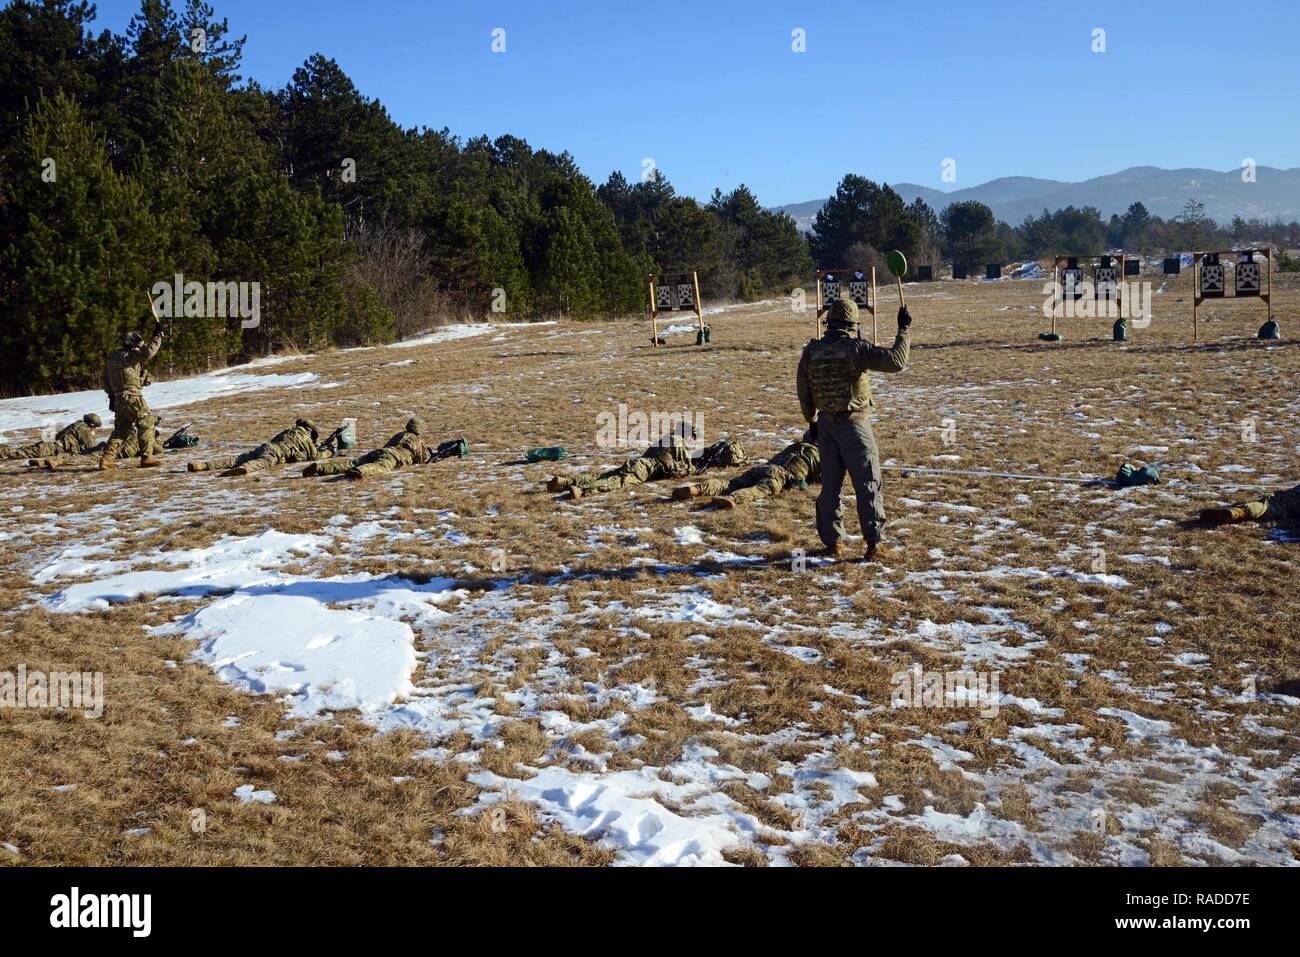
(1281, 506)
(668, 458)
(404, 448)
(76, 438)
(797, 464)
(294, 444)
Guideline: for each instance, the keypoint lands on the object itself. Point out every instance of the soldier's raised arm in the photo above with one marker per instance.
(147, 350)
(894, 358)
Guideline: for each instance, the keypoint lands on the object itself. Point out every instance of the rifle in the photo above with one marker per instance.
(331, 441)
(445, 450)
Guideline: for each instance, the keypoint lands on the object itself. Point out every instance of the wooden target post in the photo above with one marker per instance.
(861, 289)
(674, 292)
(1251, 279)
(1108, 270)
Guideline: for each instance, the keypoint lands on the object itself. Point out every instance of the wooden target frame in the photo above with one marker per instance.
(1264, 291)
(1119, 261)
(824, 304)
(665, 280)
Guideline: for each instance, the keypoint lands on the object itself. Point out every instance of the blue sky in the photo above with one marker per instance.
(715, 95)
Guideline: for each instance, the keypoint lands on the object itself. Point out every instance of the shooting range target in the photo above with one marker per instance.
(1173, 266)
(1247, 278)
(859, 292)
(685, 296)
(1072, 283)
(1211, 280)
(665, 298)
(1106, 279)
(830, 289)
(1132, 267)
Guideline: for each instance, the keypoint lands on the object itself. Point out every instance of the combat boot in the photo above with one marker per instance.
(832, 552)
(724, 502)
(683, 492)
(1222, 516)
(875, 552)
(198, 466)
(559, 483)
(310, 470)
(575, 491)
(106, 463)
(49, 465)
(149, 462)
(236, 471)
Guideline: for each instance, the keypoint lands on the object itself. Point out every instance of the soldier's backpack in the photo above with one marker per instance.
(547, 453)
(445, 450)
(181, 439)
(1129, 477)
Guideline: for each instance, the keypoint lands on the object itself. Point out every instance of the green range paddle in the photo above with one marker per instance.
(897, 264)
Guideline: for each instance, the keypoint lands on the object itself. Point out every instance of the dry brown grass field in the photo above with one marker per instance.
(630, 679)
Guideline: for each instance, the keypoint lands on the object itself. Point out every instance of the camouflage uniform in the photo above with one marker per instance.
(835, 393)
(404, 448)
(295, 444)
(797, 463)
(668, 458)
(74, 439)
(124, 380)
(1279, 507)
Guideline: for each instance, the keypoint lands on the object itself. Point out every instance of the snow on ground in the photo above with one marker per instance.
(40, 411)
(467, 330)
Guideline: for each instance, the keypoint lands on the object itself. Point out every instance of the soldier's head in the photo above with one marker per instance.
(309, 425)
(92, 420)
(132, 339)
(413, 425)
(843, 314)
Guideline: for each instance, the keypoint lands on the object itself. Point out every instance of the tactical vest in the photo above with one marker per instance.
(123, 375)
(837, 385)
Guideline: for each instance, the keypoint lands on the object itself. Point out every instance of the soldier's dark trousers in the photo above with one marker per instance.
(848, 444)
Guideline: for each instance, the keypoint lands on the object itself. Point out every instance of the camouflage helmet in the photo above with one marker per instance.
(92, 420)
(843, 312)
(132, 339)
(413, 425)
(307, 424)
(731, 453)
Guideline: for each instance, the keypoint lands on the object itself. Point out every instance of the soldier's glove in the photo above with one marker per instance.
(904, 318)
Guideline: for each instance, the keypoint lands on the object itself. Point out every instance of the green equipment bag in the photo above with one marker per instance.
(1050, 336)
(548, 453)
(1270, 330)
(1120, 332)
(1129, 477)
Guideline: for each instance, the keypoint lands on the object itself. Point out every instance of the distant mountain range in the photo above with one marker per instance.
(1275, 192)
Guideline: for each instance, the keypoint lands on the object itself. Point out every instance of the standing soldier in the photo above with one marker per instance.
(1279, 507)
(295, 444)
(125, 377)
(75, 439)
(835, 395)
(797, 464)
(404, 448)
